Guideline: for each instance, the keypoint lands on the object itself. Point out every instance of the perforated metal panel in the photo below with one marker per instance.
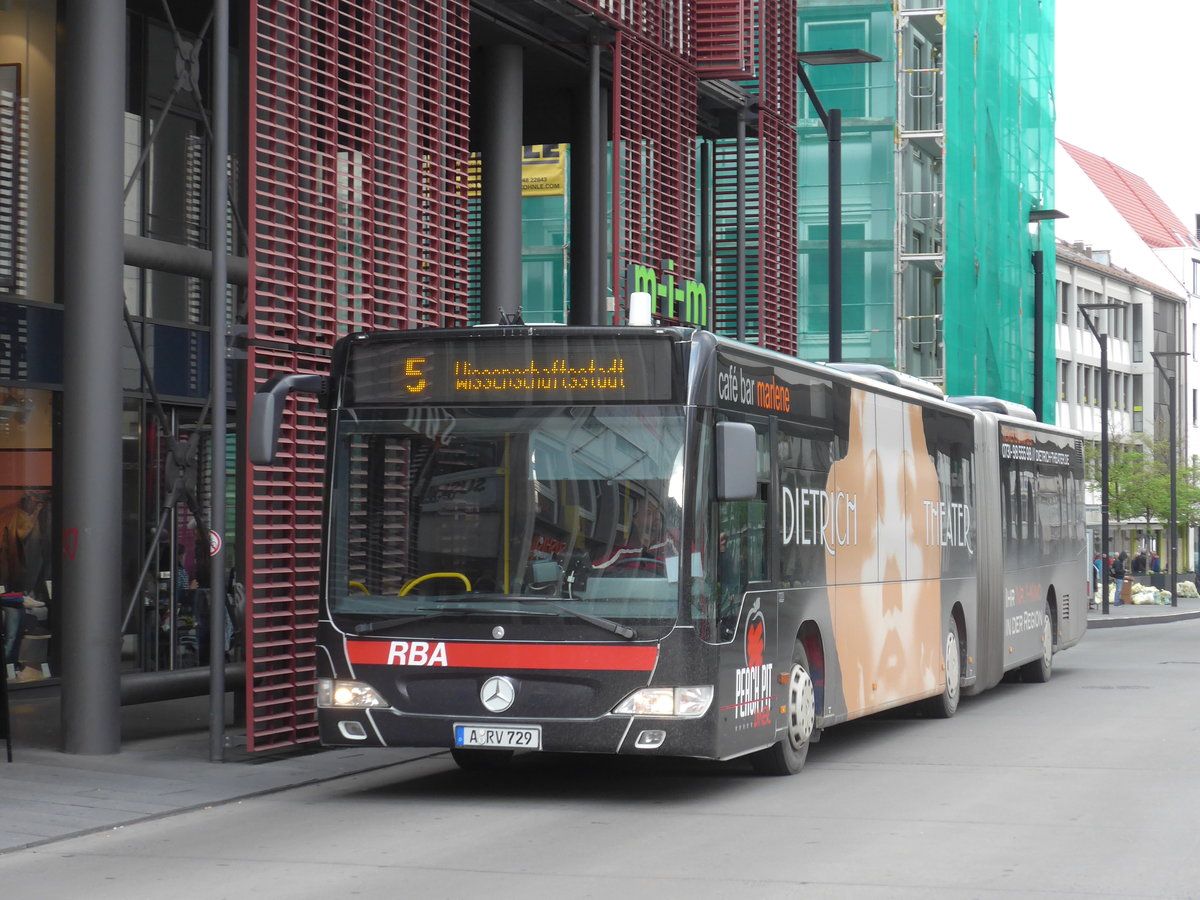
(725, 38)
(654, 171)
(358, 221)
(771, 276)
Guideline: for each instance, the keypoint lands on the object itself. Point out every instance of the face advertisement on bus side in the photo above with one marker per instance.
(506, 506)
(863, 533)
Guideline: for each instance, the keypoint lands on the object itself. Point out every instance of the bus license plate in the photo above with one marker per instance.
(514, 737)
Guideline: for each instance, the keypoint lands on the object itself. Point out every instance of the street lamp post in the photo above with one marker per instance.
(1102, 339)
(1036, 217)
(832, 120)
(1174, 551)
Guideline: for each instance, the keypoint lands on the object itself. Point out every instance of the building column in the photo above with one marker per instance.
(501, 142)
(588, 142)
(92, 145)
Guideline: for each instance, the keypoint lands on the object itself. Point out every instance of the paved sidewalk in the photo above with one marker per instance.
(163, 766)
(1144, 613)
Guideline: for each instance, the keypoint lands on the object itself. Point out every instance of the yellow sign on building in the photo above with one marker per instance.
(543, 171)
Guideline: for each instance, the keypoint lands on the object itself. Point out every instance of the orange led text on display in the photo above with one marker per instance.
(558, 375)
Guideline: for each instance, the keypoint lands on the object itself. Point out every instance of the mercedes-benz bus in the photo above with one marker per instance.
(656, 541)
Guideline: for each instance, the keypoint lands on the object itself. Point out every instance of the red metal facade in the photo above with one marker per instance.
(654, 167)
(358, 221)
(725, 38)
(771, 280)
(778, 280)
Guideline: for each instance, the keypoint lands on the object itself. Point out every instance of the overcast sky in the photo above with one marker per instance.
(1127, 86)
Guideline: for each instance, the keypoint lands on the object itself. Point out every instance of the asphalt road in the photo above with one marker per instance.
(1088, 786)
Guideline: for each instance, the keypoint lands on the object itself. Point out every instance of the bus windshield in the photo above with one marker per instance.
(565, 512)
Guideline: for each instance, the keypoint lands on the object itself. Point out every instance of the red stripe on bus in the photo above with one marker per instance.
(438, 654)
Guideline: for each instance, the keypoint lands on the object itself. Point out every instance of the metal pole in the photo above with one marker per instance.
(219, 190)
(741, 223)
(501, 134)
(92, 289)
(1174, 500)
(587, 199)
(1038, 335)
(705, 227)
(835, 235)
(1103, 338)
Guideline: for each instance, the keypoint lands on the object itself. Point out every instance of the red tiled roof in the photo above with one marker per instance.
(1134, 199)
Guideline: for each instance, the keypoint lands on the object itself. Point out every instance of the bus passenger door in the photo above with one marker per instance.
(748, 613)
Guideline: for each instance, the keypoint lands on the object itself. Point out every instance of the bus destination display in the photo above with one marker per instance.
(544, 369)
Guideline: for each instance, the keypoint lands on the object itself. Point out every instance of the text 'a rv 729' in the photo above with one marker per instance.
(655, 541)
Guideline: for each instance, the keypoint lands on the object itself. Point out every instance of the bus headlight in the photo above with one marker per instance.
(683, 702)
(347, 695)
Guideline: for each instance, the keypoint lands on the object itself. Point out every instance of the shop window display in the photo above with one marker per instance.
(25, 532)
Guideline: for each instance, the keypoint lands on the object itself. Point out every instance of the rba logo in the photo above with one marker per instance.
(417, 653)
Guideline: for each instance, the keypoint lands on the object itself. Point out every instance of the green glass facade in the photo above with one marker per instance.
(866, 95)
(948, 143)
(999, 166)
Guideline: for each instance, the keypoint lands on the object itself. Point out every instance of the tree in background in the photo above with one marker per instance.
(1134, 484)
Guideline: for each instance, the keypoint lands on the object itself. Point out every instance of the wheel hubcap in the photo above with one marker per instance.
(953, 666)
(802, 707)
(1047, 641)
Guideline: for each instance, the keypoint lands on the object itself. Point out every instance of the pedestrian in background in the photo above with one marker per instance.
(1118, 575)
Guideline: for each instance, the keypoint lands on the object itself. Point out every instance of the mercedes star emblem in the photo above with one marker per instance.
(498, 693)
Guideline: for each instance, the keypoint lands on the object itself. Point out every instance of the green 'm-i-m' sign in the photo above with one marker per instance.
(674, 297)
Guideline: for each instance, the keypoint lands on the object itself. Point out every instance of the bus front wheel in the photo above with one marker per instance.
(786, 756)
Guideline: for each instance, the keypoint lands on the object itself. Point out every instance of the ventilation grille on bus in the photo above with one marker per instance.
(996, 405)
(890, 376)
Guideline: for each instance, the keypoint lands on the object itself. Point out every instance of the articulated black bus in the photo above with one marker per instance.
(655, 541)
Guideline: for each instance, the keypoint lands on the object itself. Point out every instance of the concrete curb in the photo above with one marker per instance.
(1110, 621)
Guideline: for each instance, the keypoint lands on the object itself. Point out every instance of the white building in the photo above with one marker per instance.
(1113, 209)
(1122, 245)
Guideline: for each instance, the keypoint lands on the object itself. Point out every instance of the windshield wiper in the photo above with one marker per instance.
(599, 621)
(434, 613)
(608, 625)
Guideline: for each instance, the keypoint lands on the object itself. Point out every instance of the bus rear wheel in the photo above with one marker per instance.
(945, 704)
(1038, 671)
(787, 755)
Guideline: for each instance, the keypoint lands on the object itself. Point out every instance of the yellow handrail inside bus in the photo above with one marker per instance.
(359, 586)
(412, 584)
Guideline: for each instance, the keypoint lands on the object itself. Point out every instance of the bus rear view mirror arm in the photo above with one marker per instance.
(737, 457)
(266, 413)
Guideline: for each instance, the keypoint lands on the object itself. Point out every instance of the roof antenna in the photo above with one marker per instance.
(506, 319)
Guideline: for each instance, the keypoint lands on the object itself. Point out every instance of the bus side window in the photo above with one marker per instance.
(741, 546)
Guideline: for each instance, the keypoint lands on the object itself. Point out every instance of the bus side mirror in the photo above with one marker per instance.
(737, 461)
(266, 413)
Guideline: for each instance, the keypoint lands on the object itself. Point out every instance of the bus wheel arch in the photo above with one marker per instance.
(1039, 670)
(787, 755)
(809, 638)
